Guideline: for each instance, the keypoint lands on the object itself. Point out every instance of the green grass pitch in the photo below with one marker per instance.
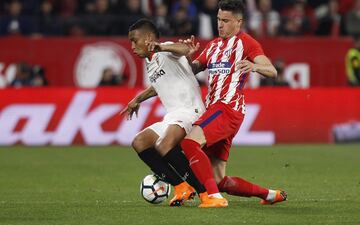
(100, 185)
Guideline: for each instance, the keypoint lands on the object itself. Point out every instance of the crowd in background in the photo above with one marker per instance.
(28, 75)
(177, 17)
(264, 18)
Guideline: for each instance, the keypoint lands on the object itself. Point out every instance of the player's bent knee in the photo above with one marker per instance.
(139, 144)
(163, 146)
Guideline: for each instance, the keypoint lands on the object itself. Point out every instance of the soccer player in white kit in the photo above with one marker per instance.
(173, 81)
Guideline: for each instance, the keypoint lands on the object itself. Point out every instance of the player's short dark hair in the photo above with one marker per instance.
(145, 24)
(234, 6)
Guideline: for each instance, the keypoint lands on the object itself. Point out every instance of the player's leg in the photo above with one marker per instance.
(172, 153)
(219, 168)
(198, 160)
(208, 129)
(218, 123)
(219, 154)
(235, 185)
(143, 144)
(240, 187)
(168, 146)
(200, 164)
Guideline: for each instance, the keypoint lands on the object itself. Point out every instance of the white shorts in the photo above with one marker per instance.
(183, 117)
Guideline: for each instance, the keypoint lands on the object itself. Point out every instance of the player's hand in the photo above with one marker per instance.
(190, 42)
(245, 66)
(153, 46)
(130, 109)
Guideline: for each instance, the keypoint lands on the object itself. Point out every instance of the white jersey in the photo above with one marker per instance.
(175, 83)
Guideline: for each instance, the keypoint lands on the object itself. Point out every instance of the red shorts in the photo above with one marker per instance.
(220, 124)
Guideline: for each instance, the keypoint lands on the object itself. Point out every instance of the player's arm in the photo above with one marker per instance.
(134, 105)
(261, 64)
(178, 49)
(183, 49)
(197, 67)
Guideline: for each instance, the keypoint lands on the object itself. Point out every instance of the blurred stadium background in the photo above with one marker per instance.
(67, 70)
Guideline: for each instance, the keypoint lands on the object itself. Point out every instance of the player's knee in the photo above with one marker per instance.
(139, 143)
(163, 146)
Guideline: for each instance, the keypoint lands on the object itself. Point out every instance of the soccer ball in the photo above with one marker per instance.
(154, 190)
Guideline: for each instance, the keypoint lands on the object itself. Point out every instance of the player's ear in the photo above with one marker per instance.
(239, 18)
(240, 22)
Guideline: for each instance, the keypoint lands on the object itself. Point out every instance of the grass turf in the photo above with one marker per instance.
(100, 185)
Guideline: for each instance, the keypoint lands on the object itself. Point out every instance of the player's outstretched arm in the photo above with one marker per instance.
(261, 64)
(178, 49)
(134, 105)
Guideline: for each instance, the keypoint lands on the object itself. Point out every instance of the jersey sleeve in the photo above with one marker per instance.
(252, 48)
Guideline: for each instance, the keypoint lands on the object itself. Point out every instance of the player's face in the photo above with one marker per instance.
(137, 39)
(228, 23)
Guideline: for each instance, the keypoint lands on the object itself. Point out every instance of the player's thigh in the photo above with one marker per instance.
(219, 123)
(173, 135)
(210, 127)
(179, 124)
(144, 139)
(219, 168)
(197, 134)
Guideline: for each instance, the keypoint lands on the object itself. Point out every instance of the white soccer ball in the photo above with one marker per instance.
(154, 190)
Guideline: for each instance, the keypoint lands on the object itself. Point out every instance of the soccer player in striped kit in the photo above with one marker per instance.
(229, 60)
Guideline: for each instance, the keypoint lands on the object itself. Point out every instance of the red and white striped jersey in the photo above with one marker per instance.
(226, 81)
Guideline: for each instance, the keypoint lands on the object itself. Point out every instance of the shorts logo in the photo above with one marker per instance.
(219, 68)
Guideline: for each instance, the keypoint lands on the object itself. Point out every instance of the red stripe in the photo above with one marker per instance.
(218, 59)
(227, 81)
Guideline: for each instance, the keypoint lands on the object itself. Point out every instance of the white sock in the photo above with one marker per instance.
(216, 195)
(271, 196)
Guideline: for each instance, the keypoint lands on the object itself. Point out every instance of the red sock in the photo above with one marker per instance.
(240, 187)
(200, 165)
